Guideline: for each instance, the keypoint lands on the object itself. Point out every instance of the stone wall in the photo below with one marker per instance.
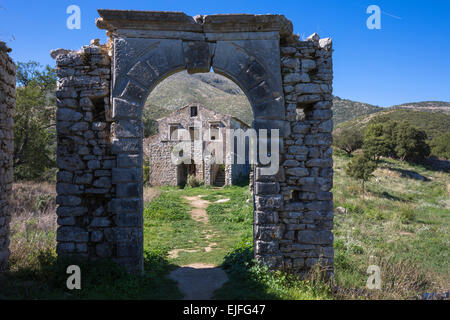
(84, 183)
(308, 165)
(7, 104)
(162, 170)
(160, 146)
(294, 208)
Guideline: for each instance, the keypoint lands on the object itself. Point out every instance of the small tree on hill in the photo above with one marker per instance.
(376, 143)
(348, 140)
(361, 168)
(410, 142)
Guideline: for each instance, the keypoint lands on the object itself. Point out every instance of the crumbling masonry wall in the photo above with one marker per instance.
(308, 165)
(100, 154)
(7, 105)
(84, 159)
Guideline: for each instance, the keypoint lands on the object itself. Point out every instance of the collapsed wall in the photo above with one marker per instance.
(84, 159)
(7, 105)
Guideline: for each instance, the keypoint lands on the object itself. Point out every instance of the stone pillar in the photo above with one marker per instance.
(308, 215)
(7, 105)
(84, 186)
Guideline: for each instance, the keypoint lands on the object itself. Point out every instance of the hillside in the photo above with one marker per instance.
(433, 123)
(429, 106)
(210, 89)
(344, 109)
(223, 95)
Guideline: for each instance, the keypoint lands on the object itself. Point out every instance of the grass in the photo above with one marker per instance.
(401, 225)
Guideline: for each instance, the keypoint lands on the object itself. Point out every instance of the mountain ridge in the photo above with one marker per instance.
(223, 95)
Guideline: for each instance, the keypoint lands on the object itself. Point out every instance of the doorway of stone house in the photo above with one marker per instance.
(173, 112)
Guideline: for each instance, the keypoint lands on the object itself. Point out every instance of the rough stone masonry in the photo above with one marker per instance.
(101, 93)
(7, 105)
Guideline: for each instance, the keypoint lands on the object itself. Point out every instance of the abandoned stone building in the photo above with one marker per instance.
(204, 132)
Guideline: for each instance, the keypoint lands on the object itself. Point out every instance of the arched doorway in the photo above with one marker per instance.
(279, 74)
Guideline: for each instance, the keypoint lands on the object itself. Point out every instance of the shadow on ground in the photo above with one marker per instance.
(243, 284)
(101, 279)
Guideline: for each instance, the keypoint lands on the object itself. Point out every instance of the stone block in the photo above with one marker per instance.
(315, 237)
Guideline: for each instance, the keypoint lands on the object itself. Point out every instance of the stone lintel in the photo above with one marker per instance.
(112, 20)
(219, 23)
(147, 20)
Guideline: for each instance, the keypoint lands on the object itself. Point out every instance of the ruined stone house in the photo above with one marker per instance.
(203, 131)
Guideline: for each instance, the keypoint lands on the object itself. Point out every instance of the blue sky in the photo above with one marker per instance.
(407, 60)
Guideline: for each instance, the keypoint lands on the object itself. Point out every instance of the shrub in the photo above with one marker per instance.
(193, 181)
(361, 168)
(405, 214)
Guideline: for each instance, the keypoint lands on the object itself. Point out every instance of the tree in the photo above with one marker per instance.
(389, 133)
(361, 168)
(34, 120)
(440, 146)
(348, 140)
(376, 143)
(410, 143)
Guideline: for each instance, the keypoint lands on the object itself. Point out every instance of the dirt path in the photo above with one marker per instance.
(198, 281)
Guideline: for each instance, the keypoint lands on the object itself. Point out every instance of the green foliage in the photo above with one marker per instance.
(433, 123)
(348, 140)
(395, 139)
(34, 121)
(440, 146)
(410, 142)
(361, 168)
(376, 142)
(405, 214)
(193, 182)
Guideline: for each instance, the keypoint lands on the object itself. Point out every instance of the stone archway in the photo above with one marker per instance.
(101, 93)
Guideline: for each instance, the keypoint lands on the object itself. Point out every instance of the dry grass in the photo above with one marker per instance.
(400, 280)
(150, 194)
(33, 223)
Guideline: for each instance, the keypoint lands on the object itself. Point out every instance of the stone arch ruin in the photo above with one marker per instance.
(100, 95)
